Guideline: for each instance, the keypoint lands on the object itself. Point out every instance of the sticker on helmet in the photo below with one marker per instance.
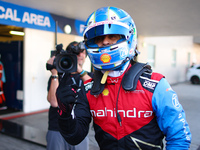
(123, 52)
(131, 51)
(113, 15)
(105, 58)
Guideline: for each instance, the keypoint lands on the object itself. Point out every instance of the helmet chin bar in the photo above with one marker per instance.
(123, 62)
(114, 68)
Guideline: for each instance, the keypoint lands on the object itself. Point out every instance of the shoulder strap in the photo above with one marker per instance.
(131, 77)
(97, 87)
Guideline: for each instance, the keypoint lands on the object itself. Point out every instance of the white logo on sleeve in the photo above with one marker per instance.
(175, 101)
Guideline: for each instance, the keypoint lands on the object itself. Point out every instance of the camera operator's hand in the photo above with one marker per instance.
(50, 62)
(66, 96)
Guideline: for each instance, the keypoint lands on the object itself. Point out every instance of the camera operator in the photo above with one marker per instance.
(53, 137)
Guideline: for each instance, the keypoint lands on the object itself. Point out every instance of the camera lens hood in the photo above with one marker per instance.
(66, 63)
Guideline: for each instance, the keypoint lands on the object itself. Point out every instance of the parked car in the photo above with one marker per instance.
(193, 74)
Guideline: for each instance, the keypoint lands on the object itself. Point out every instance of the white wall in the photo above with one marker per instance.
(196, 54)
(163, 58)
(37, 46)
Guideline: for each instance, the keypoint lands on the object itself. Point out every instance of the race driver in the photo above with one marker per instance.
(131, 106)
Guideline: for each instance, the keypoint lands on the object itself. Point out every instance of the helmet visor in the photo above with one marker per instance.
(105, 29)
(93, 43)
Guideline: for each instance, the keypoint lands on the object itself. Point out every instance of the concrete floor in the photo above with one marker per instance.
(188, 95)
(33, 129)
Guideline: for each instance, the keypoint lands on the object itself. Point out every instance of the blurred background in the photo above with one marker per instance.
(168, 39)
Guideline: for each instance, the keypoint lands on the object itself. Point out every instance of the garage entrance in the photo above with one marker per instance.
(11, 52)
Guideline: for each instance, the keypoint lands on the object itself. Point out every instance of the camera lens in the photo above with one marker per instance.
(65, 63)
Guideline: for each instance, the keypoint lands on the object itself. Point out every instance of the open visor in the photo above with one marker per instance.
(105, 29)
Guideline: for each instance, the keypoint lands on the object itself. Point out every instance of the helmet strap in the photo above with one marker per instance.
(123, 64)
(105, 75)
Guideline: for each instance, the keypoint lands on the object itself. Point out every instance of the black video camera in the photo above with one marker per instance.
(65, 61)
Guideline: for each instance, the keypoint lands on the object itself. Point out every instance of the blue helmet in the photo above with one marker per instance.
(105, 21)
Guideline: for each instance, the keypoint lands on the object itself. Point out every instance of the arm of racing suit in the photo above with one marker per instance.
(171, 117)
(75, 129)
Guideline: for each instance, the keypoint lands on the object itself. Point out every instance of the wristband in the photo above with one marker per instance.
(83, 73)
(54, 77)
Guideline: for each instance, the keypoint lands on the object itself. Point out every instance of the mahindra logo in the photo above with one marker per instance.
(149, 84)
(136, 91)
(113, 17)
(114, 80)
(132, 113)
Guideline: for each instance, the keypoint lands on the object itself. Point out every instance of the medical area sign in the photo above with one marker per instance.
(11, 14)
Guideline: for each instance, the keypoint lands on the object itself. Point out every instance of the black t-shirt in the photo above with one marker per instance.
(53, 111)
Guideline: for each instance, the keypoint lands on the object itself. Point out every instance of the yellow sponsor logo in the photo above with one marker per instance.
(105, 58)
(105, 92)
